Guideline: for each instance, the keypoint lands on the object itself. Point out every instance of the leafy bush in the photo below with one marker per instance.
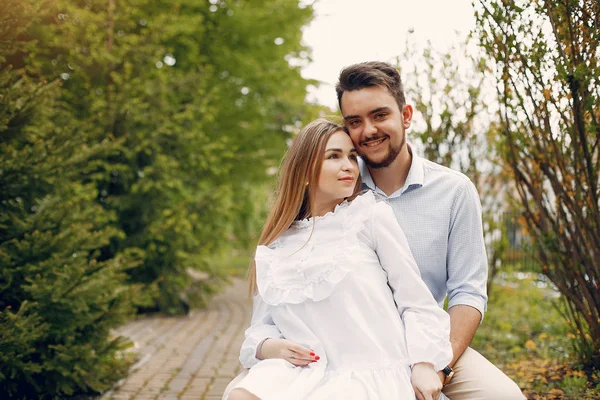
(59, 296)
(191, 95)
(525, 335)
(548, 108)
(132, 134)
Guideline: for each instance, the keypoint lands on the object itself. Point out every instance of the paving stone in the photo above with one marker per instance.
(190, 396)
(187, 357)
(145, 396)
(120, 396)
(167, 397)
(177, 385)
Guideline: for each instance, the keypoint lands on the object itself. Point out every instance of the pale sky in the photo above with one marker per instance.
(345, 32)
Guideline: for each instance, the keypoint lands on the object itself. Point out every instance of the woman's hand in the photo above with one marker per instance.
(289, 351)
(425, 381)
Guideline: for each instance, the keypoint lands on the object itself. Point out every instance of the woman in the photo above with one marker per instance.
(320, 279)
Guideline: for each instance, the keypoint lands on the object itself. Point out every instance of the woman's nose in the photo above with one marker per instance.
(347, 165)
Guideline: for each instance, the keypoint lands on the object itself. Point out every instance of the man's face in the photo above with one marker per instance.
(376, 124)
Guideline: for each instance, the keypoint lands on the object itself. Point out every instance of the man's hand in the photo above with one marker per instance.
(425, 382)
(289, 351)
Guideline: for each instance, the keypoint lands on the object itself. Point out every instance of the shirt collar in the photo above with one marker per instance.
(414, 180)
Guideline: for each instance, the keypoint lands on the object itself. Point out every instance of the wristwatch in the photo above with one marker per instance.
(449, 372)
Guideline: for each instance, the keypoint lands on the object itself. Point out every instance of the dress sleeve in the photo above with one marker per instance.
(261, 327)
(427, 326)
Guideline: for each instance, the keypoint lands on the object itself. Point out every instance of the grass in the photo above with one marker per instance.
(524, 334)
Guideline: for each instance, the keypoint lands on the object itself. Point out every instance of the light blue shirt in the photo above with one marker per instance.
(440, 213)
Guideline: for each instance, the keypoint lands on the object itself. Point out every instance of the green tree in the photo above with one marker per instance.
(136, 139)
(192, 93)
(547, 69)
(59, 295)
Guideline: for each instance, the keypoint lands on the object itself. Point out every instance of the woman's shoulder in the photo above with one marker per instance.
(371, 205)
(364, 201)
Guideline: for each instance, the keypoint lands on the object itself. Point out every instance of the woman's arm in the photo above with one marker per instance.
(427, 326)
(265, 340)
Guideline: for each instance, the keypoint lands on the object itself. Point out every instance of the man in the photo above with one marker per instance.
(440, 213)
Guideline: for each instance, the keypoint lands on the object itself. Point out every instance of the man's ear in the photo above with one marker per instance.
(407, 113)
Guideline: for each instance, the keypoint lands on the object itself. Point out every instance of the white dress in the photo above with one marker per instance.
(327, 289)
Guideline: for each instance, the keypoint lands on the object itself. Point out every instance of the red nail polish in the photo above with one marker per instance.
(312, 354)
(317, 358)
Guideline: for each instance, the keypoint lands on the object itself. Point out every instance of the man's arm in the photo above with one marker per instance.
(464, 321)
(467, 271)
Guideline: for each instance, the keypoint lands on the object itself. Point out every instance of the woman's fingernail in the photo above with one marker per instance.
(312, 354)
(317, 358)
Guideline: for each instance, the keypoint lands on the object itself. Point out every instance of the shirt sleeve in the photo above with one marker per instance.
(261, 327)
(427, 326)
(467, 259)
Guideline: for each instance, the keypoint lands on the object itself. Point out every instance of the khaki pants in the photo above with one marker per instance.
(475, 378)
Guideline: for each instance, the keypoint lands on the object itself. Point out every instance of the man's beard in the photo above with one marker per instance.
(386, 162)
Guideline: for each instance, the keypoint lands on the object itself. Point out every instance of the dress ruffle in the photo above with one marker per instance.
(285, 278)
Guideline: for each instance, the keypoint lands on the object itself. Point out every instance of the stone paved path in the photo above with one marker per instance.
(191, 357)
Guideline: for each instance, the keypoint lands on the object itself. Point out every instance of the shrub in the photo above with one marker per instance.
(59, 296)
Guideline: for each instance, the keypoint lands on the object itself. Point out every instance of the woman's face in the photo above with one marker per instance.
(339, 173)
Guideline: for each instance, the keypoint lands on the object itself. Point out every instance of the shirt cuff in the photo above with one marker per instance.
(464, 299)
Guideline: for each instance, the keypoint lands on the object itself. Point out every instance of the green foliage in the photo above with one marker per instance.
(526, 336)
(547, 71)
(191, 93)
(521, 312)
(60, 295)
(135, 142)
(574, 386)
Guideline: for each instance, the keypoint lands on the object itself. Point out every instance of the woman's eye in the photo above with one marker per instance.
(332, 156)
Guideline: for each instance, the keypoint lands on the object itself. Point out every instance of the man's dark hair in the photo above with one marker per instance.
(368, 74)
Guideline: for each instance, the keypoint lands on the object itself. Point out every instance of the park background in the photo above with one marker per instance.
(139, 141)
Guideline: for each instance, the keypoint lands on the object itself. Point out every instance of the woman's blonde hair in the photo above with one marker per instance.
(297, 182)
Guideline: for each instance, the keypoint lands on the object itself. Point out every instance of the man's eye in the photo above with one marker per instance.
(353, 123)
(380, 115)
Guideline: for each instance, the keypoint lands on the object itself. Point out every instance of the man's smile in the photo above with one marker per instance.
(374, 142)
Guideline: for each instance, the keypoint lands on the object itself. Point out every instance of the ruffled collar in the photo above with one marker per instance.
(307, 222)
(314, 272)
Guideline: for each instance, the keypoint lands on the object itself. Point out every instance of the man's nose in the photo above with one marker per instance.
(369, 128)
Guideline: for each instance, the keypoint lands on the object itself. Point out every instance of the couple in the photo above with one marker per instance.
(325, 324)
